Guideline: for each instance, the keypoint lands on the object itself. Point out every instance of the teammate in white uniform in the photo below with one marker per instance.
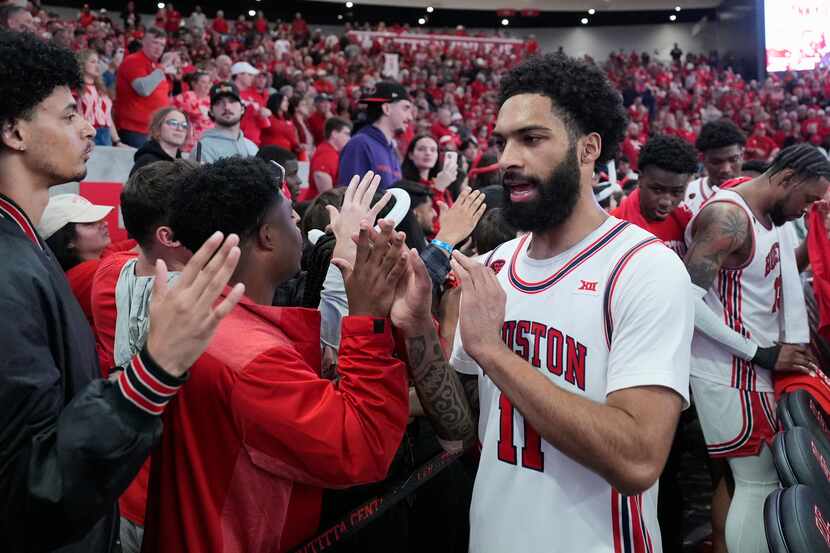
(576, 336)
(721, 146)
(736, 262)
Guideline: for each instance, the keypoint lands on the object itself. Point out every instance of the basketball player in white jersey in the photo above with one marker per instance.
(575, 336)
(737, 267)
(721, 146)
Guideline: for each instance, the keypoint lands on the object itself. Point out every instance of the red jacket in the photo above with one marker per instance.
(281, 133)
(256, 434)
(132, 112)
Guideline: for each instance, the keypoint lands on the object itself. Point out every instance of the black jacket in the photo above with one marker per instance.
(70, 442)
(151, 152)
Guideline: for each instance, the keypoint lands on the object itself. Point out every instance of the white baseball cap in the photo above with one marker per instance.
(69, 208)
(243, 67)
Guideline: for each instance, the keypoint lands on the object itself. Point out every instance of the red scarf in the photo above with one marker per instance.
(670, 230)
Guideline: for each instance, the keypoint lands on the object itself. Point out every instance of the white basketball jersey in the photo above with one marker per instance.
(748, 299)
(697, 192)
(613, 312)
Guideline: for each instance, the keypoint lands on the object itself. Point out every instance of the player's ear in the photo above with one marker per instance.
(589, 148)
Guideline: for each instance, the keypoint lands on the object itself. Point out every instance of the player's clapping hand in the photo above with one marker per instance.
(482, 306)
(183, 318)
(379, 264)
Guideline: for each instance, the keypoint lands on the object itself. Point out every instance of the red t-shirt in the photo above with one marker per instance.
(220, 25)
(256, 434)
(133, 501)
(132, 112)
(670, 230)
(317, 125)
(326, 160)
(252, 122)
(80, 281)
(281, 133)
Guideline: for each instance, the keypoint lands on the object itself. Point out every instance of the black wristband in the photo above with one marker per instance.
(767, 357)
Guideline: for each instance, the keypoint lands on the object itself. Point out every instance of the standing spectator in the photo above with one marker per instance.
(141, 88)
(71, 441)
(197, 20)
(223, 68)
(326, 159)
(95, 104)
(443, 125)
(220, 24)
(281, 132)
(77, 233)
(422, 166)
(632, 144)
(85, 17)
(226, 138)
(129, 16)
(317, 120)
(676, 53)
(299, 28)
(16, 18)
(169, 130)
(372, 148)
(172, 20)
(256, 115)
(195, 103)
(298, 111)
(261, 24)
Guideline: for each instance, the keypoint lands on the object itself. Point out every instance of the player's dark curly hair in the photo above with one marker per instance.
(30, 71)
(669, 153)
(581, 94)
(231, 195)
(719, 134)
(805, 160)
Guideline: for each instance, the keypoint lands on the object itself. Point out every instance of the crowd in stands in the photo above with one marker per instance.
(229, 111)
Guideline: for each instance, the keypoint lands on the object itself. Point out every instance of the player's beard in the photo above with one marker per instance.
(556, 200)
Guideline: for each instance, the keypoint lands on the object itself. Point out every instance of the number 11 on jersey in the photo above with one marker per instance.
(532, 456)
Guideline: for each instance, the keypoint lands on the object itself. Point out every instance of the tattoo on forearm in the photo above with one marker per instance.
(439, 389)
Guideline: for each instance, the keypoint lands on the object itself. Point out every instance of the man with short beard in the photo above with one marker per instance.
(226, 138)
(574, 338)
(748, 323)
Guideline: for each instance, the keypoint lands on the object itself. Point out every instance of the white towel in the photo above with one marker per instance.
(794, 309)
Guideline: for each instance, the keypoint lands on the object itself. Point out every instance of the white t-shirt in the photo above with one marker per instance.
(613, 312)
(697, 192)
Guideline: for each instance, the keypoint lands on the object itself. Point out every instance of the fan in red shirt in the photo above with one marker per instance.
(759, 145)
(317, 120)
(261, 24)
(421, 165)
(282, 132)
(326, 159)
(172, 20)
(141, 89)
(632, 144)
(257, 434)
(666, 165)
(220, 24)
(442, 125)
(120, 296)
(77, 233)
(257, 115)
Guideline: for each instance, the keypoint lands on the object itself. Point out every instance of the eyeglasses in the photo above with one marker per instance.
(183, 125)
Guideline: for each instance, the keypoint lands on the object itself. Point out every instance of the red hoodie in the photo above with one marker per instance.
(256, 434)
(670, 230)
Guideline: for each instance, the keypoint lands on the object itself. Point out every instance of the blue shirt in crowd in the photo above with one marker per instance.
(368, 150)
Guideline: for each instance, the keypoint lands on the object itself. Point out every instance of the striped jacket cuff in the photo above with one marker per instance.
(146, 385)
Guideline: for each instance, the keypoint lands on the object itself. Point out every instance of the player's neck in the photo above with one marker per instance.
(587, 216)
(756, 194)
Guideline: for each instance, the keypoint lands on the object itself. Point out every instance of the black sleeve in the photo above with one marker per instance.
(437, 263)
(63, 466)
